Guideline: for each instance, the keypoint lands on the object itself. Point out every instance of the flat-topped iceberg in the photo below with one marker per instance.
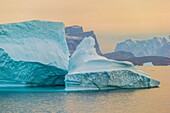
(34, 52)
(89, 71)
(148, 64)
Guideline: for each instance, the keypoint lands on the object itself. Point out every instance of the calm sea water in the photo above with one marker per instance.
(53, 100)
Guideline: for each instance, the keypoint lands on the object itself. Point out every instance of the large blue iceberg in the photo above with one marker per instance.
(34, 52)
(89, 71)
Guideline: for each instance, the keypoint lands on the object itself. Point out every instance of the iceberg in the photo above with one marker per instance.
(89, 71)
(34, 52)
(148, 64)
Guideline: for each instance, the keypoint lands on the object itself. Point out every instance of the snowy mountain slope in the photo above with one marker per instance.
(158, 46)
(89, 71)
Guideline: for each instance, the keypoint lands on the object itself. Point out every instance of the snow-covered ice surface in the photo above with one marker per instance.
(89, 71)
(36, 41)
(34, 52)
(148, 64)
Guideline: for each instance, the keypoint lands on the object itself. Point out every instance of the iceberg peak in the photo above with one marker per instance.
(85, 59)
(87, 43)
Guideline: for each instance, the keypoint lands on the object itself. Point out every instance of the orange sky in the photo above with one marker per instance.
(112, 20)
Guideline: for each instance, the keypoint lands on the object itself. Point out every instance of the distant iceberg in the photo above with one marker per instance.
(148, 64)
(89, 71)
(34, 52)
